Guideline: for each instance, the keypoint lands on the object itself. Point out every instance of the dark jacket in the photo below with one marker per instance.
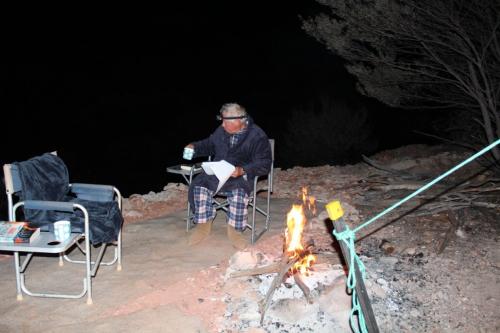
(46, 178)
(252, 153)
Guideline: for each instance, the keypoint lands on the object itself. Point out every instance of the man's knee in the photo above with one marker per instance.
(202, 191)
(202, 194)
(238, 209)
(239, 195)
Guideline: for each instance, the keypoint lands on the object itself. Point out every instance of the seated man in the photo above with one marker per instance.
(243, 144)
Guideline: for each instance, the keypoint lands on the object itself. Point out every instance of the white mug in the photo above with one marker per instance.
(188, 153)
(62, 230)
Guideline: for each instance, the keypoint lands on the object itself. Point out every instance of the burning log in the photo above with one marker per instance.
(295, 260)
(286, 267)
(297, 277)
(323, 257)
(278, 279)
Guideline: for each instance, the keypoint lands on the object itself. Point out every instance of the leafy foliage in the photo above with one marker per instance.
(420, 53)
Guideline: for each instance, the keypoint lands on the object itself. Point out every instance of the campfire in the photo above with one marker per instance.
(297, 257)
(293, 241)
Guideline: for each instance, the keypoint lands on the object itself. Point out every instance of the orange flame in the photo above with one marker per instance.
(303, 265)
(304, 195)
(295, 226)
(308, 200)
(295, 221)
(312, 205)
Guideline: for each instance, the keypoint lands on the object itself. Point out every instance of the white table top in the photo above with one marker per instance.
(45, 243)
(178, 170)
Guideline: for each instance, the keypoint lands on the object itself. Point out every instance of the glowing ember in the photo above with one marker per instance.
(295, 225)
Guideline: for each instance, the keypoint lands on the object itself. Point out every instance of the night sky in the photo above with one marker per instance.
(119, 94)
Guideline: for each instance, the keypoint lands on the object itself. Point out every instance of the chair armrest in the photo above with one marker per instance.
(94, 192)
(47, 205)
(57, 206)
(268, 185)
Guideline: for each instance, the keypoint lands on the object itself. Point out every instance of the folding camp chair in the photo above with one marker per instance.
(46, 243)
(268, 188)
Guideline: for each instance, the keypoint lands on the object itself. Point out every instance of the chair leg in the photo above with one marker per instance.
(254, 197)
(188, 217)
(88, 272)
(268, 211)
(17, 264)
(119, 250)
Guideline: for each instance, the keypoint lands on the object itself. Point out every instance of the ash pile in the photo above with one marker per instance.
(326, 309)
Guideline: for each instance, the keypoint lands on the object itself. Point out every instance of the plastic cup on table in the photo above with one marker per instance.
(62, 230)
(188, 153)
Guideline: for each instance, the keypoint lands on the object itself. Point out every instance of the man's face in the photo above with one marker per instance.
(233, 126)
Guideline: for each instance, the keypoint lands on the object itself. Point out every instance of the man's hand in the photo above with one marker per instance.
(238, 172)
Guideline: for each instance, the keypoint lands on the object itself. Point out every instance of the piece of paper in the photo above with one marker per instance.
(221, 169)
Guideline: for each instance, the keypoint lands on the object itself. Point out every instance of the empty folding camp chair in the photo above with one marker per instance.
(40, 188)
(258, 187)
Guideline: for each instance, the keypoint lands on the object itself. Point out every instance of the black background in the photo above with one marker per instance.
(119, 92)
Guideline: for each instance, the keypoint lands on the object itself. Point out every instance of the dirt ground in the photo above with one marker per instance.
(164, 286)
(429, 268)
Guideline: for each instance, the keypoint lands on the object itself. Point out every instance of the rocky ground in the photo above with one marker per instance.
(432, 265)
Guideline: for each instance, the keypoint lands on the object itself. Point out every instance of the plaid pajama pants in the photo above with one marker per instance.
(237, 214)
